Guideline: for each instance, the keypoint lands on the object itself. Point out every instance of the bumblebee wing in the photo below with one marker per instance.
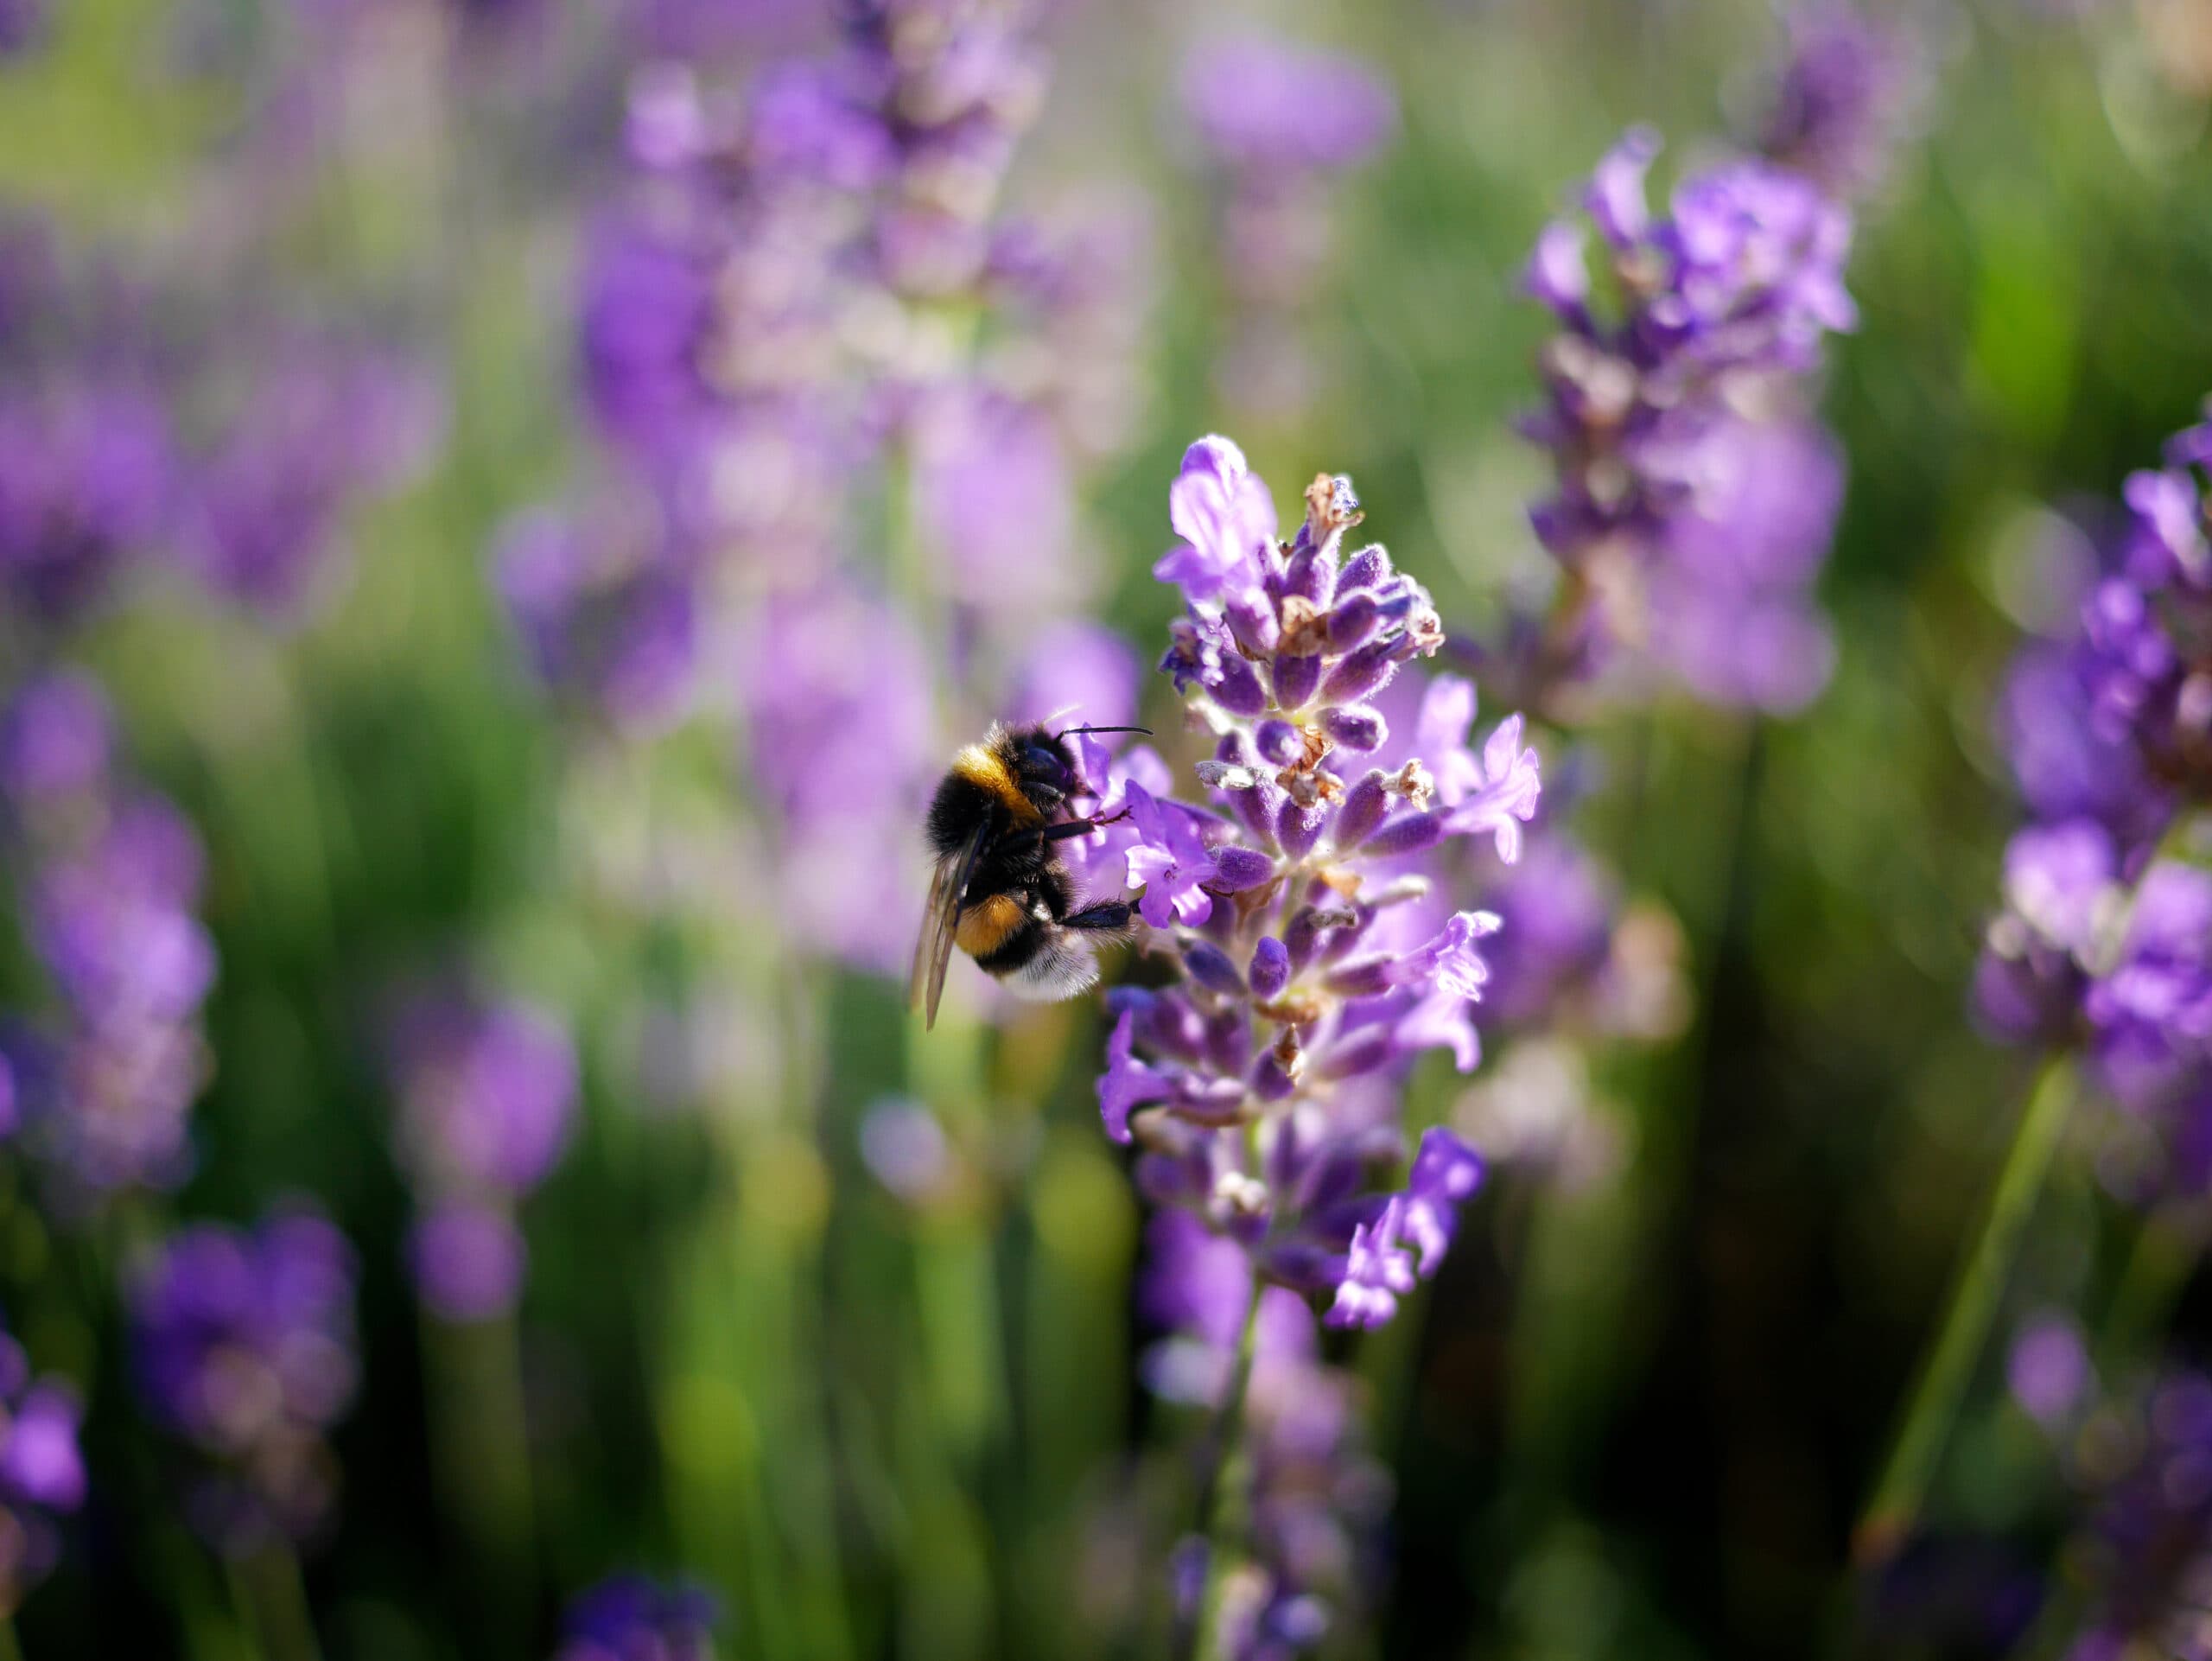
(940, 920)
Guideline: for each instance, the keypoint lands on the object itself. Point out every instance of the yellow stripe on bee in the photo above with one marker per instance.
(980, 765)
(984, 929)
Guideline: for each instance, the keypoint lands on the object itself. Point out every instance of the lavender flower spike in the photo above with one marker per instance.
(41, 1472)
(244, 1348)
(1315, 961)
(1681, 312)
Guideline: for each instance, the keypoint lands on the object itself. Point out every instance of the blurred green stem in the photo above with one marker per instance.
(1889, 1517)
(2166, 1249)
(12, 1648)
(476, 1411)
(1196, 1632)
(273, 1604)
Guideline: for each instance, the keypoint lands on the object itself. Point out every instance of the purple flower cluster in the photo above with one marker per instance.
(1843, 94)
(122, 448)
(1278, 122)
(808, 306)
(1690, 536)
(629, 1617)
(108, 876)
(245, 1350)
(2144, 1462)
(487, 1092)
(1316, 1497)
(41, 1472)
(2106, 936)
(1315, 962)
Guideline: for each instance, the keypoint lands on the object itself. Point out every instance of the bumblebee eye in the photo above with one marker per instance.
(1041, 765)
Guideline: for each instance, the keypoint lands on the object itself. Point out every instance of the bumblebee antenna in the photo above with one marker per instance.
(1064, 732)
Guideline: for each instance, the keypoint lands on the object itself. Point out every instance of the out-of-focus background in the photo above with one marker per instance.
(327, 341)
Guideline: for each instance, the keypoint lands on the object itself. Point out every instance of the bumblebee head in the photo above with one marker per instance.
(1042, 766)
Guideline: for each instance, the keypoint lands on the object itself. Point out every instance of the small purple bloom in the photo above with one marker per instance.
(1171, 860)
(629, 1617)
(2048, 1369)
(1267, 105)
(245, 1350)
(469, 1262)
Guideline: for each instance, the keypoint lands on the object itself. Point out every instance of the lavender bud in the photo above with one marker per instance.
(1295, 679)
(1304, 936)
(1209, 966)
(1364, 977)
(1352, 622)
(1362, 810)
(1279, 742)
(1354, 726)
(1298, 828)
(1409, 833)
(1237, 688)
(1270, 970)
(1362, 674)
(1367, 569)
(1239, 870)
(1270, 1080)
(1364, 1052)
(1311, 575)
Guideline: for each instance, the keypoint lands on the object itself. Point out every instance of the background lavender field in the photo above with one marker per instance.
(505, 510)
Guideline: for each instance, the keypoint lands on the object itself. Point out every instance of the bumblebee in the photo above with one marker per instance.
(1000, 892)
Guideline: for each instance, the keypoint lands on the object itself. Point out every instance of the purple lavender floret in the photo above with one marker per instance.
(22, 25)
(488, 1093)
(1846, 90)
(1316, 1497)
(245, 1351)
(1315, 963)
(109, 877)
(322, 429)
(629, 1617)
(88, 477)
(1660, 484)
(2147, 1553)
(41, 1472)
(487, 1100)
(1267, 105)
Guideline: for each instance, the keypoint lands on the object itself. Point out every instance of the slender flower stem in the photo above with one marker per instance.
(11, 1647)
(274, 1600)
(1195, 1629)
(1889, 1517)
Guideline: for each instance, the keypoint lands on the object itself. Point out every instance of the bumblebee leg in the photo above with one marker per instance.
(1110, 914)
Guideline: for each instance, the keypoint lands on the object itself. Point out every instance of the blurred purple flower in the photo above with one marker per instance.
(621, 640)
(488, 1093)
(56, 737)
(629, 1617)
(2048, 1370)
(324, 428)
(1316, 1497)
(469, 1262)
(1269, 106)
(88, 481)
(1732, 611)
(245, 1350)
(1845, 89)
(41, 1472)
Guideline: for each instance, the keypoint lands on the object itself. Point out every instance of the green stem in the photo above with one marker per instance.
(2166, 1249)
(1195, 1630)
(273, 1601)
(1934, 1404)
(12, 1648)
(477, 1420)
